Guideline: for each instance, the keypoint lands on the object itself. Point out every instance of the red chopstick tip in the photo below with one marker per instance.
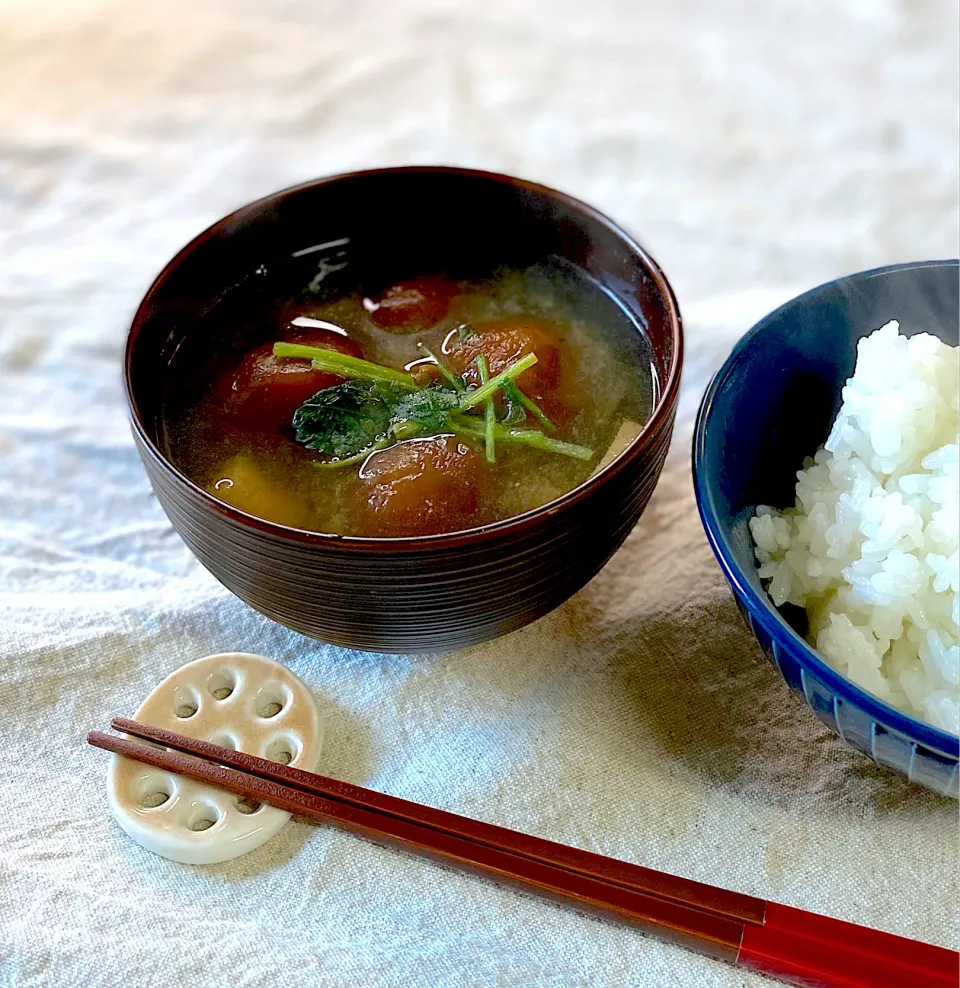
(804, 948)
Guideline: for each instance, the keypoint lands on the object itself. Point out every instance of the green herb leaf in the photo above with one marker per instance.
(345, 419)
(350, 418)
(428, 408)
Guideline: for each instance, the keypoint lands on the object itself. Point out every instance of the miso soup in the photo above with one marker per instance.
(433, 405)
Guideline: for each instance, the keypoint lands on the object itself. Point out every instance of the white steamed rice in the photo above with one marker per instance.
(870, 550)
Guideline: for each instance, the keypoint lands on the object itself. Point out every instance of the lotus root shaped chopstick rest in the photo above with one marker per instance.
(238, 700)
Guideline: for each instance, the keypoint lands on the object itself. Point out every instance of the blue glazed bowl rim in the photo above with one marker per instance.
(760, 605)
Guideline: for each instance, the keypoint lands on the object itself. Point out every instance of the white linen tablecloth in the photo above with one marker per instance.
(757, 148)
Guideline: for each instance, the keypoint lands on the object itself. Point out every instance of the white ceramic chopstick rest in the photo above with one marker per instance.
(237, 700)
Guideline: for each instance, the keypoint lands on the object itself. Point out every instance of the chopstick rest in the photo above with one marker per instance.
(238, 700)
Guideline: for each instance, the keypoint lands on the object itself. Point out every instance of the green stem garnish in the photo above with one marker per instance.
(383, 406)
(469, 426)
(513, 392)
(335, 362)
(455, 382)
(348, 461)
(473, 398)
(489, 412)
(516, 413)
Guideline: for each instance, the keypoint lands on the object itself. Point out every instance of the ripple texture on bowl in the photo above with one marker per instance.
(411, 600)
(768, 407)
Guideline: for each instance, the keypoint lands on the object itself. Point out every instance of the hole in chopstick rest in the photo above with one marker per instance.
(246, 805)
(282, 749)
(153, 789)
(270, 700)
(222, 684)
(202, 816)
(225, 741)
(186, 701)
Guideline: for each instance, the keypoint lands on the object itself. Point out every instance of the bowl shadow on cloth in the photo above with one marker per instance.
(728, 717)
(697, 686)
(346, 755)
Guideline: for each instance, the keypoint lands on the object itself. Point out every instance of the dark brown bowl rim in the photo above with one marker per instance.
(663, 408)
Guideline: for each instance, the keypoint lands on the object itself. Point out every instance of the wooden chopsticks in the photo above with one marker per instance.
(791, 944)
